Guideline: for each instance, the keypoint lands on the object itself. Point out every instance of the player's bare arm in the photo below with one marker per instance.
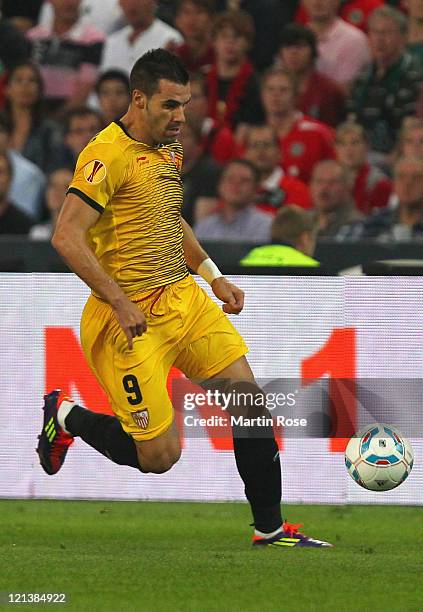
(70, 240)
(142, 241)
(231, 296)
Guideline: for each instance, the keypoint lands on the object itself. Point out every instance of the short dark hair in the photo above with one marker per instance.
(244, 162)
(77, 113)
(294, 34)
(290, 222)
(155, 65)
(112, 75)
(261, 126)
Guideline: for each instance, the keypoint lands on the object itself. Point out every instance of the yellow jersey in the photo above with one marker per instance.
(138, 191)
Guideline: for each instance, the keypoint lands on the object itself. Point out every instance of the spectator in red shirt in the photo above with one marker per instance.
(371, 188)
(276, 189)
(303, 140)
(232, 86)
(194, 20)
(218, 139)
(319, 96)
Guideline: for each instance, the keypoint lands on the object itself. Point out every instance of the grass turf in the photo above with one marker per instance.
(124, 556)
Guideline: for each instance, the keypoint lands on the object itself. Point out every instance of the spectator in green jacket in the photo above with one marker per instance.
(389, 88)
(293, 234)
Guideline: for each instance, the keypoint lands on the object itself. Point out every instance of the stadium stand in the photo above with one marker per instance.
(35, 95)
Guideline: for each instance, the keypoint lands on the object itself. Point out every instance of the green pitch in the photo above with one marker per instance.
(163, 557)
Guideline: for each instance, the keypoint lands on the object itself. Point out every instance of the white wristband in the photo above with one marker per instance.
(209, 271)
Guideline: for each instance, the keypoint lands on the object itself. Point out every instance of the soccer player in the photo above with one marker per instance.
(121, 231)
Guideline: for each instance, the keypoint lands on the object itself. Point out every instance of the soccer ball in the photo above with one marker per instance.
(378, 457)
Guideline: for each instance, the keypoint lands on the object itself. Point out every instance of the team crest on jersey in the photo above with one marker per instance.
(356, 17)
(297, 149)
(95, 172)
(175, 159)
(141, 418)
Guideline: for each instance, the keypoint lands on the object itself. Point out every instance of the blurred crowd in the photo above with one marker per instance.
(306, 119)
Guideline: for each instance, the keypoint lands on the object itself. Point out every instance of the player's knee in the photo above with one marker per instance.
(160, 463)
(162, 467)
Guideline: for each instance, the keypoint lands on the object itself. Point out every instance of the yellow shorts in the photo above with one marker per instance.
(185, 328)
